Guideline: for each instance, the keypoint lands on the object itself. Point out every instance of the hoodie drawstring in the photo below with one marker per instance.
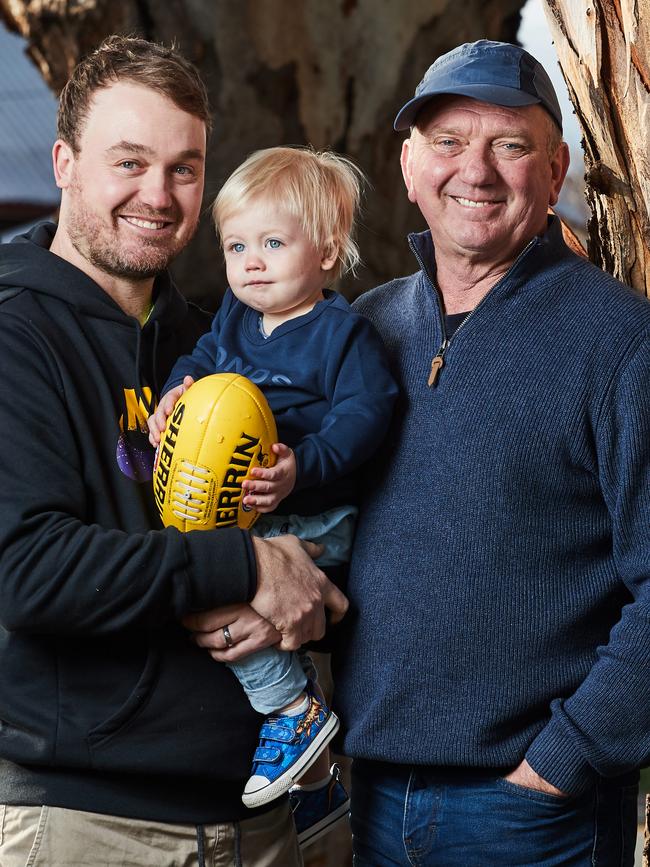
(154, 353)
(148, 403)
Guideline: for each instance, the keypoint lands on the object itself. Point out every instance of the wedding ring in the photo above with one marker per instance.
(227, 637)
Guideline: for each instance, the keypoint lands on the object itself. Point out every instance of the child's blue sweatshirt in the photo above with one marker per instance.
(501, 573)
(326, 378)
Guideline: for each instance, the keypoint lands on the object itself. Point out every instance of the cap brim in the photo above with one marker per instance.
(485, 92)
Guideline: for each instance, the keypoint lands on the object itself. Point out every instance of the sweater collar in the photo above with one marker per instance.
(544, 250)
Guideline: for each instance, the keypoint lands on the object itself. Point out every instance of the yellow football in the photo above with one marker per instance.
(219, 430)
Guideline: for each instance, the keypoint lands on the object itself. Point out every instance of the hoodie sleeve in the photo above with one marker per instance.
(67, 564)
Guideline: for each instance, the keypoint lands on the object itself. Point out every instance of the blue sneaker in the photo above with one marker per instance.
(317, 812)
(288, 746)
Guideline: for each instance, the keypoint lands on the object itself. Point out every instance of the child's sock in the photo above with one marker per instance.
(296, 707)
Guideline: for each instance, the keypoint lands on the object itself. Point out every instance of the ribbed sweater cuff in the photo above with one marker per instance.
(221, 568)
(554, 757)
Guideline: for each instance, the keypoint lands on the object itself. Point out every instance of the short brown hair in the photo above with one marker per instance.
(320, 188)
(129, 58)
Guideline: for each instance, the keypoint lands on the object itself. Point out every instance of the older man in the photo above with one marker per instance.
(121, 741)
(495, 685)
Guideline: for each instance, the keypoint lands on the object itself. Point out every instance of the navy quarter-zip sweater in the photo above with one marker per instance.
(501, 572)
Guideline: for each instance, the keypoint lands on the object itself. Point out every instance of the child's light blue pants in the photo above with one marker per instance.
(274, 678)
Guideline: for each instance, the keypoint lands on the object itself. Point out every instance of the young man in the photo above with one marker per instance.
(119, 735)
(507, 592)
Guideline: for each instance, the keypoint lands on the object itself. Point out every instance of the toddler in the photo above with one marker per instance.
(285, 218)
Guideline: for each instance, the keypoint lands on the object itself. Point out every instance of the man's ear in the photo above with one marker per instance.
(407, 173)
(329, 255)
(559, 168)
(62, 161)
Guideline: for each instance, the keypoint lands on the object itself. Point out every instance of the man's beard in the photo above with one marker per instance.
(101, 244)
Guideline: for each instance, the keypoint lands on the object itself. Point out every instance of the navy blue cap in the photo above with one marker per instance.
(496, 72)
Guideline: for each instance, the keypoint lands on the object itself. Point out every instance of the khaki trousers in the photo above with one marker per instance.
(54, 837)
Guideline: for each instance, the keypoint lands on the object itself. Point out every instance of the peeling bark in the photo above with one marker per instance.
(286, 72)
(604, 51)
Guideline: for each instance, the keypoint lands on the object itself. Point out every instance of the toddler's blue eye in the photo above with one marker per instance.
(274, 244)
(237, 248)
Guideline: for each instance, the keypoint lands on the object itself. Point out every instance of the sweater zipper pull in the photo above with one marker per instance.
(437, 363)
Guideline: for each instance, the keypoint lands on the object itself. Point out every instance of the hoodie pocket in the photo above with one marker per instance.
(126, 716)
(187, 715)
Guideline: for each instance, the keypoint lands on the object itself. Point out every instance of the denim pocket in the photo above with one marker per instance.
(532, 794)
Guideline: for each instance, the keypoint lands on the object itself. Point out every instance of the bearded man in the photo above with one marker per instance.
(119, 736)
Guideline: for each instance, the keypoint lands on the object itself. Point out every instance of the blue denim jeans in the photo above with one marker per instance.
(413, 816)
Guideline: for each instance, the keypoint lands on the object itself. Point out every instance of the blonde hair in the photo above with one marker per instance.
(321, 189)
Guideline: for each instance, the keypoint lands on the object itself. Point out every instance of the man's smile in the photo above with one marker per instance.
(141, 223)
(473, 203)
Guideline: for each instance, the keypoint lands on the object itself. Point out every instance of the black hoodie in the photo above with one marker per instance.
(105, 703)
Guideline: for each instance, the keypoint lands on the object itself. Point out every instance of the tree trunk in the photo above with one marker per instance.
(286, 72)
(604, 51)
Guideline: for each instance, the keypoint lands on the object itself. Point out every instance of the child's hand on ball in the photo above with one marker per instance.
(158, 421)
(272, 484)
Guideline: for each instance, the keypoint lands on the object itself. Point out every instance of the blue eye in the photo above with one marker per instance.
(446, 143)
(237, 247)
(273, 243)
